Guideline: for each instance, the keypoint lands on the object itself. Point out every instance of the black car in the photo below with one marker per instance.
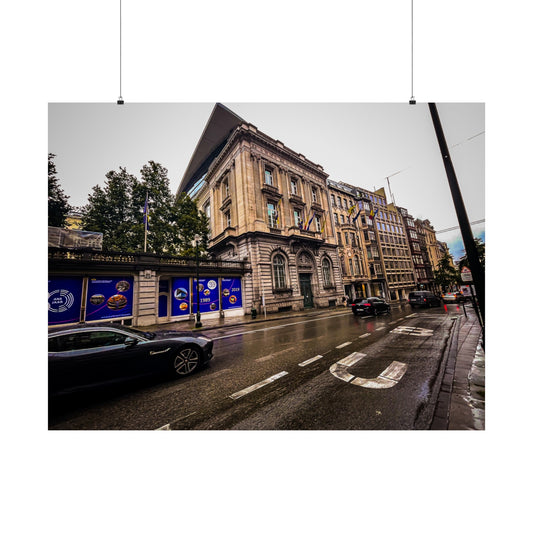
(370, 306)
(423, 299)
(82, 357)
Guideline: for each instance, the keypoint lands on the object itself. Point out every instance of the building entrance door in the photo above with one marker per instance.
(305, 289)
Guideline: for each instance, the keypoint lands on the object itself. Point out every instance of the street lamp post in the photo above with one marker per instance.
(198, 323)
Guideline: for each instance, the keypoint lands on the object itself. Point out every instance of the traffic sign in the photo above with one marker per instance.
(466, 274)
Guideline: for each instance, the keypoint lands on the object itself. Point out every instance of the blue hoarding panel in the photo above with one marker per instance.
(64, 300)
(181, 304)
(231, 293)
(209, 300)
(109, 298)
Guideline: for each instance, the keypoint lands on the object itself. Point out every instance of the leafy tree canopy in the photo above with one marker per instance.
(58, 206)
(480, 247)
(117, 210)
(446, 274)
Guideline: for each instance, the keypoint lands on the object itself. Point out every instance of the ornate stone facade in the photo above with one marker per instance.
(269, 205)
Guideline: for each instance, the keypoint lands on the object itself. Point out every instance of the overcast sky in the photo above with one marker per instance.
(360, 144)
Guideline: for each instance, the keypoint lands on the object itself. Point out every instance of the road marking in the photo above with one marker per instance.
(380, 328)
(252, 388)
(266, 358)
(418, 332)
(340, 368)
(411, 316)
(387, 379)
(393, 322)
(343, 345)
(166, 427)
(309, 361)
(364, 335)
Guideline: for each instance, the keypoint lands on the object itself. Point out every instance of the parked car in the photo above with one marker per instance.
(423, 299)
(83, 356)
(370, 306)
(453, 297)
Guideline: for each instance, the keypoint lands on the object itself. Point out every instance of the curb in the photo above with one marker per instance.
(441, 412)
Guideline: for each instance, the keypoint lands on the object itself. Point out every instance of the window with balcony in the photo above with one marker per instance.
(272, 215)
(269, 177)
(294, 186)
(298, 218)
(227, 218)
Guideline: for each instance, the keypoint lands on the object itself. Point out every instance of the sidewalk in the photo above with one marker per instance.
(461, 402)
(218, 322)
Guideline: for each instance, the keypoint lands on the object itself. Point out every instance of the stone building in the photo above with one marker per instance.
(416, 236)
(349, 233)
(391, 244)
(268, 205)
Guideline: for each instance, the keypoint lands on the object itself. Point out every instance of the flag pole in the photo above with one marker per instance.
(145, 221)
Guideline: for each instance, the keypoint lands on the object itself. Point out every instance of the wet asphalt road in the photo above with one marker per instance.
(269, 376)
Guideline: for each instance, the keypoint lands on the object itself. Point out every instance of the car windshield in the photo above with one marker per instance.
(146, 334)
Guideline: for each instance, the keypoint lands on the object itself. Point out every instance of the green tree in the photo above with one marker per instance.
(188, 221)
(154, 185)
(58, 206)
(117, 208)
(446, 274)
(111, 211)
(480, 247)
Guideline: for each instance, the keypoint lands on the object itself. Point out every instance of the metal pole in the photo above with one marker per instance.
(478, 273)
(198, 324)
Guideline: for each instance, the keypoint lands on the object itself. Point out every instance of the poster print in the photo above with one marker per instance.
(209, 298)
(109, 298)
(231, 293)
(64, 300)
(181, 304)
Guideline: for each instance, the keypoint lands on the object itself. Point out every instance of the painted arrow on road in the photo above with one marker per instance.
(387, 379)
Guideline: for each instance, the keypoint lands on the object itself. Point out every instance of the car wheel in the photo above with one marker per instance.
(186, 360)
(374, 312)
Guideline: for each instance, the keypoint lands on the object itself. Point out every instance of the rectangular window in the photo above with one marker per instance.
(342, 219)
(336, 217)
(294, 186)
(227, 217)
(318, 223)
(271, 215)
(339, 239)
(351, 267)
(339, 201)
(345, 203)
(269, 180)
(298, 218)
(314, 195)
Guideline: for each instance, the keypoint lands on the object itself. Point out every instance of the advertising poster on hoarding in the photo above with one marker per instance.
(231, 293)
(109, 298)
(209, 300)
(64, 300)
(180, 297)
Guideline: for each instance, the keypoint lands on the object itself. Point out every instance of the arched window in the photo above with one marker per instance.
(278, 268)
(326, 272)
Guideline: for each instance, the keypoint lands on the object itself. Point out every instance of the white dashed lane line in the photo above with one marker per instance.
(252, 388)
(309, 361)
(343, 345)
(364, 335)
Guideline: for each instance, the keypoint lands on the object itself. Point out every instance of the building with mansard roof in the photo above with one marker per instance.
(268, 205)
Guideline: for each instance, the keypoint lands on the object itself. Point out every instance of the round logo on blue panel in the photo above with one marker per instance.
(60, 300)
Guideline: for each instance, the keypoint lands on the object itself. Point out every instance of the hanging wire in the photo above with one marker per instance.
(120, 101)
(412, 100)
